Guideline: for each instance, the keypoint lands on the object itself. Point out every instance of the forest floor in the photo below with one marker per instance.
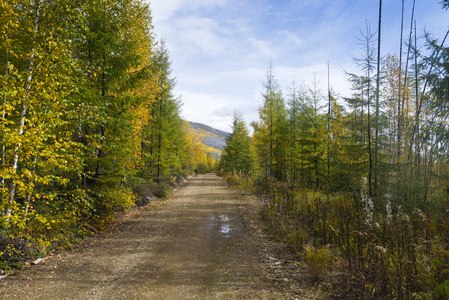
(205, 242)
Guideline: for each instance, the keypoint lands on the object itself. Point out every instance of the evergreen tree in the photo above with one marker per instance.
(166, 128)
(270, 136)
(236, 157)
(362, 102)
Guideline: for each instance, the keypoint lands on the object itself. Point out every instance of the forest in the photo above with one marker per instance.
(90, 126)
(358, 187)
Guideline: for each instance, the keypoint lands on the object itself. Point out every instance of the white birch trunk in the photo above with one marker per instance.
(3, 120)
(23, 113)
(28, 199)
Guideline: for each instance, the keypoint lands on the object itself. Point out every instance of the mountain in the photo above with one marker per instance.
(212, 138)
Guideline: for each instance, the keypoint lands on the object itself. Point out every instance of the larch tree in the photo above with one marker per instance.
(166, 128)
(269, 136)
(236, 157)
(364, 100)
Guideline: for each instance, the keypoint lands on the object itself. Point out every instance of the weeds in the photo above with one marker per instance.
(318, 261)
(381, 254)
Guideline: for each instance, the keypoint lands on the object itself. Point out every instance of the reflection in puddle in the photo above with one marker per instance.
(221, 224)
(225, 230)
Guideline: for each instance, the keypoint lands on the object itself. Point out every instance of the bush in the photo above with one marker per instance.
(109, 201)
(441, 291)
(162, 190)
(143, 191)
(114, 198)
(318, 261)
(202, 169)
(231, 179)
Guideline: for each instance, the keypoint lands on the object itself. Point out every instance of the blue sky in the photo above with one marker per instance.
(221, 48)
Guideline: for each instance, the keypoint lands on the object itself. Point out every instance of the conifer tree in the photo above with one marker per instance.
(363, 100)
(236, 157)
(270, 135)
(166, 125)
(305, 148)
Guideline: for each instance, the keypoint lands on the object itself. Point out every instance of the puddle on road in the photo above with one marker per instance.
(225, 230)
(224, 218)
(222, 225)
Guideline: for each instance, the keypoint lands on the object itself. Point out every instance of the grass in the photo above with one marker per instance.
(318, 261)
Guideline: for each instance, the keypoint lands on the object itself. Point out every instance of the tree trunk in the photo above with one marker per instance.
(368, 95)
(159, 146)
(328, 122)
(28, 198)
(102, 128)
(152, 142)
(417, 123)
(376, 146)
(4, 117)
(23, 113)
(400, 87)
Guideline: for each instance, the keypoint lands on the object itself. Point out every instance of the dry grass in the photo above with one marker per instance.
(318, 261)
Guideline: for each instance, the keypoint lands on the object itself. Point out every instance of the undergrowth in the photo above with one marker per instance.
(52, 228)
(366, 254)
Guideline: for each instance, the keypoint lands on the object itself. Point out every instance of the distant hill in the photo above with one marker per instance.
(213, 138)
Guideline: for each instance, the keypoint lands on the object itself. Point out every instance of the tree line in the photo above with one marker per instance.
(90, 125)
(361, 180)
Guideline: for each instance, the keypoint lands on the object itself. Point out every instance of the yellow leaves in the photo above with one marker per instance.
(210, 161)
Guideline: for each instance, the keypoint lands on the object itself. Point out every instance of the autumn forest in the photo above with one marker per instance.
(89, 127)
(358, 187)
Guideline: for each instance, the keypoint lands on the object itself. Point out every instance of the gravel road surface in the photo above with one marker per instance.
(204, 242)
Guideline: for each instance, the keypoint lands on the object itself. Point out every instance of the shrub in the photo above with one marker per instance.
(318, 261)
(201, 169)
(110, 200)
(231, 179)
(162, 190)
(441, 291)
(115, 198)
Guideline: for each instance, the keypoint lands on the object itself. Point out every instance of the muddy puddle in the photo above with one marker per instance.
(224, 225)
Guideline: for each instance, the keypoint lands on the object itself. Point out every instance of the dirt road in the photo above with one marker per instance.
(202, 243)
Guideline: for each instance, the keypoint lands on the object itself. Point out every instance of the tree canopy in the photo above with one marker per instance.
(90, 125)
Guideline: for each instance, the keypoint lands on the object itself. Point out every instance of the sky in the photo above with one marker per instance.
(221, 49)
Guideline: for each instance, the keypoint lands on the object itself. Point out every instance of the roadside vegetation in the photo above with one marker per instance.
(358, 186)
(89, 125)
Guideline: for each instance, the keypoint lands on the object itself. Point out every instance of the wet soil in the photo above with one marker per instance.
(204, 242)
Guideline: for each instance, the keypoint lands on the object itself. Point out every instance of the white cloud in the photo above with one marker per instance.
(217, 109)
(306, 75)
(199, 107)
(290, 38)
(221, 48)
(164, 9)
(168, 24)
(202, 34)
